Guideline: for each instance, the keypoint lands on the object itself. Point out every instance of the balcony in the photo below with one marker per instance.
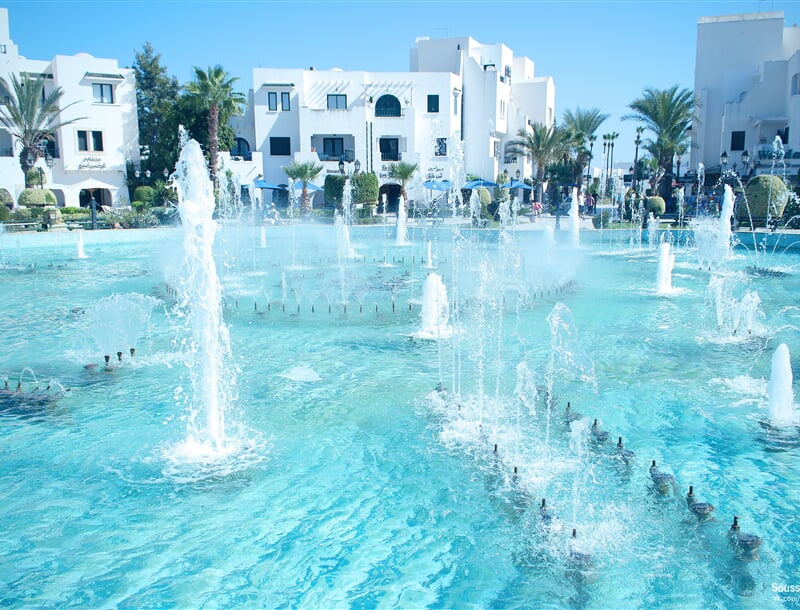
(390, 156)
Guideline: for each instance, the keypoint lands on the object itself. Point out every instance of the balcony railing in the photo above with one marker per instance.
(390, 156)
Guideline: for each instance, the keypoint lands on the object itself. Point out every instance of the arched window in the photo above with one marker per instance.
(796, 84)
(241, 148)
(387, 105)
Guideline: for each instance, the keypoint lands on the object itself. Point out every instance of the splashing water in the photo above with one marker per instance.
(402, 233)
(81, 251)
(779, 389)
(200, 298)
(575, 219)
(435, 310)
(666, 261)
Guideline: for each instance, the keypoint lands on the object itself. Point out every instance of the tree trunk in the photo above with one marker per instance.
(213, 143)
(305, 201)
(27, 153)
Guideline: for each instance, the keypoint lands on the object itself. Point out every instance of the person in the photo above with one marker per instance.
(590, 203)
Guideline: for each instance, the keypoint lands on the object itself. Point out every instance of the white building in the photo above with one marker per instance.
(452, 114)
(747, 82)
(89, 156)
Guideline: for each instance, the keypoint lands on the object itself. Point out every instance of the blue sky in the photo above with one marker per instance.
(601, 54)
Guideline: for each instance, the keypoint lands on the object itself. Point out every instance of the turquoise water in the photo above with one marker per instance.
(356, 483)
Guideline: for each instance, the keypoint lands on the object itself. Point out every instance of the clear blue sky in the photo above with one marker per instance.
(601, 54)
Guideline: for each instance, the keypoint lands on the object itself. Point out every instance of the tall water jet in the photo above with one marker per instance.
(401, 231)
(200, 298)
(713, 235)
(779, 389)
(81, 251)
(575, 219)
(343, 221)
(435, 310)
(666, 261)
(263, 236)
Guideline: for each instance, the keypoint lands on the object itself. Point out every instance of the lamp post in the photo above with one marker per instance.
(637, 142)
(723, 160)
(745, 163)
(589, 162)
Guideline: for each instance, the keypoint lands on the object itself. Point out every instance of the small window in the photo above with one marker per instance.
(337, 101)
(90, 141)
(441, 147)
(433, 103)
(502, 109)
(285, 101)
(332, 148)
(280, 147)
(737, 140)
(272, 101)
(102, 93)
(796, 84)
(455, 103)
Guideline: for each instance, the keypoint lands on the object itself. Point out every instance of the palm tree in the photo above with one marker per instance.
(668, 114)
(212, 91)
(305, 173)
(402, 172)
(582, 125)
(543, 145)
(32, 118)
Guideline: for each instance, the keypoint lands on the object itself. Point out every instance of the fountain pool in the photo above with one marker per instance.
(373, 469)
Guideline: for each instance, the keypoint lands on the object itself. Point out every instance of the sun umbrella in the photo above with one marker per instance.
(263, 184)
(298, 186)
(473, 184)
(516, 184)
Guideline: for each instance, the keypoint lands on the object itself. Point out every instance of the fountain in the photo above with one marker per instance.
(666, 261)
(779, 389)
(435, 310)
(81, 252)
(401, 237)
(713, 235)
(199, 298)
(384, 449)
(575, 219)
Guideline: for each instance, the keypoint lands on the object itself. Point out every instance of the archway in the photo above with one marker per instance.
(392, 192)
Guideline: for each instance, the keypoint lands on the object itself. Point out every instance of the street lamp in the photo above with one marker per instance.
(341, 166)
(357, 166)
(637, 141)
(723, 160)
(746, 163)
(589, 162)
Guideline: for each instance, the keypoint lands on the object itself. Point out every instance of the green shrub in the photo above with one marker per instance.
(766, 196)
(485, 195)
(72, 211)
(165, 215)
(791, 215)
(5, 213)
(334, 187)
(5, 198)
(35, 176)
(656, 206)
(36, 197)
(145, 194)
(365, 188)
(140, 206)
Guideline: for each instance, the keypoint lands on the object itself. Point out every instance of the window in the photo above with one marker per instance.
(441, 147)
(285, 101)
(387, 105)
(496, 149)
(332, 148)
(433, 103)
(280, 147)
(455, 103)
(337, 101)
(796, 84)
(3, 49)
(241, 148)
(90, 141)
(502, 109)
(737, 140)
(272, 101)
(390, 149)
(102, 94)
